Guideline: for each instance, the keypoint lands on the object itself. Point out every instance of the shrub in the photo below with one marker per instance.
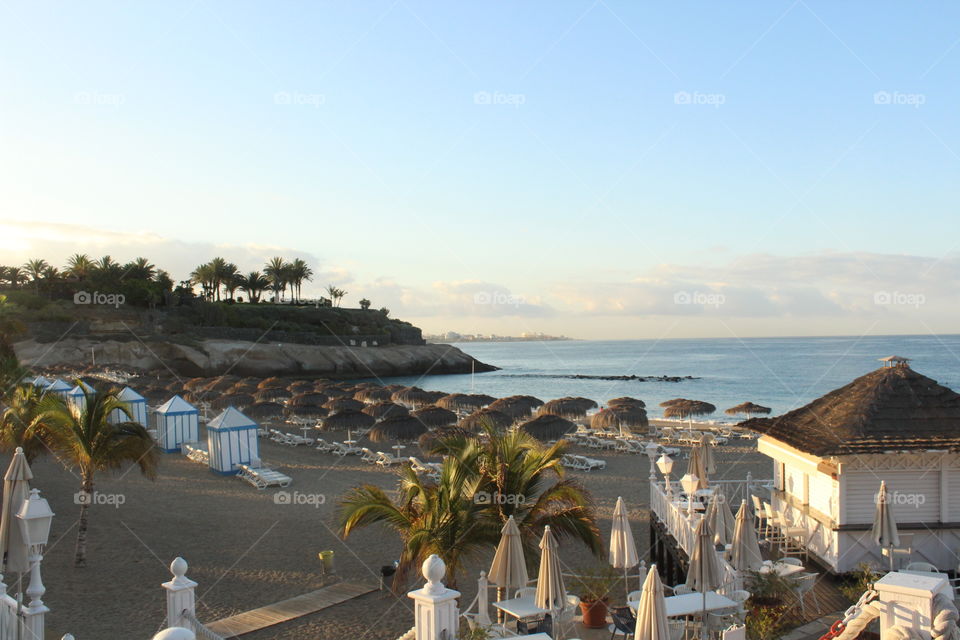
(858, 581)
(765, 622)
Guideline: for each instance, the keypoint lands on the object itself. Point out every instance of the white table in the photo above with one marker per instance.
(782, 569)
(691, 604)
(520, 608)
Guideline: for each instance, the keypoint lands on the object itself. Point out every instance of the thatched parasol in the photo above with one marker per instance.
(196, 384)
(243, 387)
(270, 383)
(670, 403)
(221, 384)
(333, 391)
(397, 429)
(343, 404)
(155, 394)
(238, 400)
(175, 387)
(688, 409)
(487, 418)
(626, 401)
(308, 399)
(264, 410)
(300, 386)
(517, 407)
(272, 394)
(343, 420)
(372, 395)
(567, 407)
(465, 401)
(382, 410)
(306, 411)
(434, 416)
(620, 416)
(547, 427)
(413, 397)
(430, 442)
(748, 409)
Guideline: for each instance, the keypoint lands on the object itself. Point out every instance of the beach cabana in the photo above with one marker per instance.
(232, 441)
(135, 403)
(77, 396)
(178, 421)
(58, 388)
(40, 382)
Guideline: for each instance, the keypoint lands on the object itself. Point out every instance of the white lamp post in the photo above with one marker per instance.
(35, 518)
(652, 449)
(665, 464)
(690, 482)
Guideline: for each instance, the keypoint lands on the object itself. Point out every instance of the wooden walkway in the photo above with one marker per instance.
(285, 610)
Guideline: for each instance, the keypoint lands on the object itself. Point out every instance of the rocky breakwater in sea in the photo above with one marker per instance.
(215, 357)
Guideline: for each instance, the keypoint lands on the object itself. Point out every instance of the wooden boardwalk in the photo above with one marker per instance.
(267, 616)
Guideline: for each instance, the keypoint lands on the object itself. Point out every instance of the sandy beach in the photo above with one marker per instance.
(246, 551)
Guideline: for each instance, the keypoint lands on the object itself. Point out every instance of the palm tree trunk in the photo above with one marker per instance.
(86, 490)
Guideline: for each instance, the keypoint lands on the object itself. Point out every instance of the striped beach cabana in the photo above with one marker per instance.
(40, 382)
(77, 397)
(58, 388)
(135, 403)
(231, 441)
(178, 421)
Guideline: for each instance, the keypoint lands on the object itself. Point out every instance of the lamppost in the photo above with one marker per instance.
(665, 464)
(689, 482)
(34, 519)
(652, 450)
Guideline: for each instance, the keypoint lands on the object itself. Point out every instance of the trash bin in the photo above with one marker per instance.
(326, 560)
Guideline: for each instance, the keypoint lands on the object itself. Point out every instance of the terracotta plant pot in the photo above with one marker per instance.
(594, 613)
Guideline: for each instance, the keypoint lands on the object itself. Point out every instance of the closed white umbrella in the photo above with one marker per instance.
(884, 531)
(652, 610)
(509, 568)
(709, 461)
(721, 519)
(697, 466)
(745, 550)
(551, 594)
(16, 489)
(705, 573)
(623, 550)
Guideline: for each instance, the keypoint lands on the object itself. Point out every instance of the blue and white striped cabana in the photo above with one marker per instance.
(40, 382)
(178, 421)
(231, 441)
(76, 398)
(135, 403)
(58, 388)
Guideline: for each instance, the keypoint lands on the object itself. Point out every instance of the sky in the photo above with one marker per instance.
(596, 169)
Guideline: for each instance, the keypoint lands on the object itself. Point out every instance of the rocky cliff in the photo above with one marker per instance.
(215, 357)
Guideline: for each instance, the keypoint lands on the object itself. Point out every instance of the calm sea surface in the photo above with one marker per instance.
(782, 373)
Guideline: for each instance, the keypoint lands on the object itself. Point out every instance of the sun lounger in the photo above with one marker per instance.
(195, 452)
(386, 459)
(323, 445)
(367, 455)
(263, 477)
(345, 449)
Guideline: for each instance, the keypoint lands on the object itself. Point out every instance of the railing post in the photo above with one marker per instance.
(483, 600)
(34, 615)
(180, 593)
(436, 615)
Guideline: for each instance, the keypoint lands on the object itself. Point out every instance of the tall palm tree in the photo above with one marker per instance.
(16, 276)
(204, 276)
(140, 269)
(20, 423)
(299, 271)
(11, 326)
(79, 266)
(277, 272)
(253, 284)
(230, 279)
(218, 269)
(35, 269)
(87, 440)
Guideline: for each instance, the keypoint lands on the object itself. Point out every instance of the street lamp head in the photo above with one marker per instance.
(652, 449)
(665, 464)
(690, 482)
(35, 518)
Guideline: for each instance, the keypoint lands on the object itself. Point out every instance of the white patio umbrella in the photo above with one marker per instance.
(709, 461)
(745, 550)
(705, 573)
(623, 550)
(652, 610)
(721, 519)
(884, 530)
(16, 488)
(509, 568)
(697, 466)
(551, 594)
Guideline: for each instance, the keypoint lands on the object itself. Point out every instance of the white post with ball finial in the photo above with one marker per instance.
(436, 614)
(181, 594)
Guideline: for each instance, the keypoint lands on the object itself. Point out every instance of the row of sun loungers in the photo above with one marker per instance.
(263, 477)
(195, 452)
(291, 439)
(582, 463)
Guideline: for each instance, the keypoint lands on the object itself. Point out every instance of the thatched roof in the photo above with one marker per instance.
(309, 399)
(487, 417)
(343, 420)
(548, 427)
(306, 411)
(397, 429)
(301, 386)
(223, 383)
(567, 407)
(333, 391)
(373, 395)
(621, 415)
(343, 404)
(270, 394)
(748, 409)
(382, 410)
(670, 403)
(688, 408)
(270, 383)
(626, 401)
(195, 384)
(434, 416)
(412, 397)
(465, 401)
(890, 409)
(516, 406)
(429, 441)
(264, 410)
(238, 400)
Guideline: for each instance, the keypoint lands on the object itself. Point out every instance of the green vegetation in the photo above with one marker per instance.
(857, 581)
(770, 594)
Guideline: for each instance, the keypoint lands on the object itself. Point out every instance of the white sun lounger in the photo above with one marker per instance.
(263, 477)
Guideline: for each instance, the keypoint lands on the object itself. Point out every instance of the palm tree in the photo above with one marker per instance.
(299, 271)
(10, 327)
(336, 295)
(230, 277)
(20, 424)
(277, 272)
(86, 439)
(16, 276)
(79, 266)
(253, 284)
(108, 269)
(218, 268)
(36, 268)
(204, 276)
(140, 269)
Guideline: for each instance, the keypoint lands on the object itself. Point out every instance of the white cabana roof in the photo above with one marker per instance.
(80, 388)
(56, 385)
(40, 381)
(176, 405)
(231, 418)
(129, 395)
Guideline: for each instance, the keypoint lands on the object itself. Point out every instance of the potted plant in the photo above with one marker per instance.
(593, 587)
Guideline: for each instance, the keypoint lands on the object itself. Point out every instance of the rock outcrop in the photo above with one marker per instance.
(215, 357)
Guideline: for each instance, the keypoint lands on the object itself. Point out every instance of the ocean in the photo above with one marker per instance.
(781, 373)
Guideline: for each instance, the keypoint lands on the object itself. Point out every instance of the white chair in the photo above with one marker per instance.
(922, 566)
(805, 583)
(525, 592)
(680, 589)
(634, 596)
(903, 553)
(736, 632)
(796, 562)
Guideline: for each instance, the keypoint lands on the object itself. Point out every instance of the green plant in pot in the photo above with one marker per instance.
(593, 586)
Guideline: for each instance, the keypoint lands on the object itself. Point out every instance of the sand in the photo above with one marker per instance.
(246, 551)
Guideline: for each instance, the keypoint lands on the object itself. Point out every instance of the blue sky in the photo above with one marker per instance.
(584, 161)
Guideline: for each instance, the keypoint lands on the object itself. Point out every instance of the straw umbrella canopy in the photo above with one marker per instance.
(548, 427)
(509, 568)
(222, 383)
(551, 593)
(264, 410)
(343, 404)
(465, 401)
(688, 409)
(343, 420)
(271, 382)
(567, 407)
(413, 397)
(16, 489)
(705, 572)
(884, 532)
(670, 403)
(721, 519)
(272, 394)
(175, 387)
(626, 401)
(332, 390)
(652, 623)
(238, 400)
(397, 429)
(745, 550)
(306, 411)
(300, 386)
(748, 409)
(382, 410)
(486, 417)
(196, 384)
(517, 406)
(620, 416)
(430, 440)
(308, 399)
(623, 550)
(372, 395)
(434, 416)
